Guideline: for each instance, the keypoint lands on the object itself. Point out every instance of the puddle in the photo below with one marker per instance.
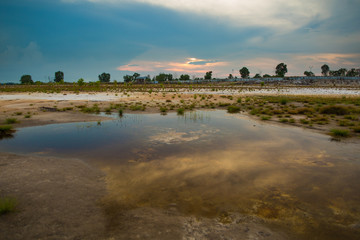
(210, 163)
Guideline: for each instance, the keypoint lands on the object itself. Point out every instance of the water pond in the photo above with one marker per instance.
(208, 163)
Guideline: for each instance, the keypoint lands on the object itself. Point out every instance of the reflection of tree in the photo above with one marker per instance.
(7, 135)
(6, 132)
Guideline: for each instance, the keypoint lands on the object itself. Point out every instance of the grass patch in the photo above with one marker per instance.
(224, 104)
(11, 121)
(304, 121)
(7, 205)
(339, 133)
(6, 130)
(304, 110)
(94, 109)
(335, 109)
(180, 111)
(265, 118)
(137, 108)
(163, 109)
(233, 109)
(284, 101)
(356, 129)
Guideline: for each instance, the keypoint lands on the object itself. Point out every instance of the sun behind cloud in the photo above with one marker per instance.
(192, 65)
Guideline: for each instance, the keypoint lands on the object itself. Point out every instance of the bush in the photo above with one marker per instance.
(304, 110)
(11, 120)
(357, 129)
(283, 101)
(233, 109)
(180, 111)
(339, 133)
(336, 109)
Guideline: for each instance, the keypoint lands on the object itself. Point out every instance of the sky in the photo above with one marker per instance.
(84, 38)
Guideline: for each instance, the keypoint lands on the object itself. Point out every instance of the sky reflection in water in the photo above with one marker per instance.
(209, 162)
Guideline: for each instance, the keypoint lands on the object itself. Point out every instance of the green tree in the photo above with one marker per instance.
(80, 82)
(59, 76)
(244, 72)
(281, 69)
(309, 74)
(325, 70)
(162, 77)
(208, 75)
(342, 71)
(128, 78)
(352, 73)
(257, 75)
(230, 76)
(26, 79)
(135, 75)
(185, 77)
(266, 76)
(104, 77)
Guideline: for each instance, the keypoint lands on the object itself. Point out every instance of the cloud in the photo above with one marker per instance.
(282, 15)
(172, 66)
(195, 61)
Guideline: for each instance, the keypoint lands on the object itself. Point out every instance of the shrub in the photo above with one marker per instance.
(180, 111)
(283, 101)
(120, 112)
(233, 109)
(304, 121)
(336, 109)
(11, 120)
(224, 104)
(356, 129)
(93, 109)
(7, 205)
(339, 133)
(137, 108)
(304, 110)
(265, 118)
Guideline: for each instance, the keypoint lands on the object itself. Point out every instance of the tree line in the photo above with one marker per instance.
(280, 71)
(59, 78)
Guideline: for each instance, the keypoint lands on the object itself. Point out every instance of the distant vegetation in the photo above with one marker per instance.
(280, 72)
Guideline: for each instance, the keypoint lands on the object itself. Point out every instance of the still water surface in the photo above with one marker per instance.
(208, 163)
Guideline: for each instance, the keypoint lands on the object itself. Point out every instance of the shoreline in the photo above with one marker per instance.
(35, 111)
